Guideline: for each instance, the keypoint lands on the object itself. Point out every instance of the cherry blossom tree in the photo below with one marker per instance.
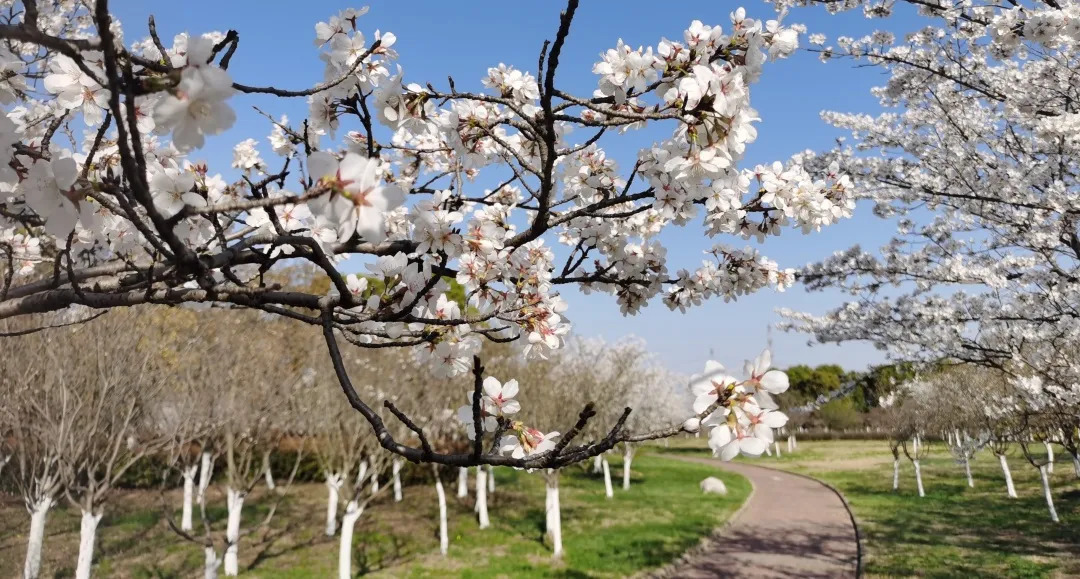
(129, 216)
(974, 161)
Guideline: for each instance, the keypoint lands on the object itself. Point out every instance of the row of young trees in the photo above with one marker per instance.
(971, 408)
(103, 397)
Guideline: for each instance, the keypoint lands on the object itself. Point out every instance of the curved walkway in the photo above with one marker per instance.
(791, 526)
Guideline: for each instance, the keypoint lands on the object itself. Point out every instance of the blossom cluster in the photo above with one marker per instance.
(497, 405)
(741, 413)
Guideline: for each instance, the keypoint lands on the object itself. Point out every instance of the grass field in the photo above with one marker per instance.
(662, 515)
(955, 531)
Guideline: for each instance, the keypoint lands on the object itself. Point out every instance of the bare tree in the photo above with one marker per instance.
(36, 413)
(110, 377)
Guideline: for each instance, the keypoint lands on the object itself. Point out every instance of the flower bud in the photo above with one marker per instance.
(692, 425)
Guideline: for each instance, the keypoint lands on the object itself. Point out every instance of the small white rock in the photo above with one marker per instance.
(713, 485)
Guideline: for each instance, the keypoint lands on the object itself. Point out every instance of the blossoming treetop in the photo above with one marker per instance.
(126, 217)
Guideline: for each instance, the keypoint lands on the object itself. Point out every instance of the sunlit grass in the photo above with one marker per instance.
(662, 515)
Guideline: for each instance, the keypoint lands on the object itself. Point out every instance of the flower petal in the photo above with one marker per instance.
(492, 386)
(775, 381)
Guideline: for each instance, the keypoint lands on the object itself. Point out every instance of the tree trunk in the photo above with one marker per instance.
(396, 471)
(628, 457)
(596, 468)
(462, 482)
(267, 474)
(206, 472)
(967, 471)
(1008, 476)
(607, 480)
(210, 563)
(1046, 493)
(361, 474)
(481, 497)
(374, 482)
(790, 446)
(189, 491)
(1076, 465)
(491, 479)
(87, 534)
(776, 448)
(896, 475)
(444, 538)
(333, 488)
(918, 478)
(553, 511)
(353, 510)
(1049, 457)
(915, 444)
(32, 566)
(235, 500)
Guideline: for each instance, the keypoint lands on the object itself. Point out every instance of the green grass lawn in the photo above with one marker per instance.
(662, 515)
(955, 531)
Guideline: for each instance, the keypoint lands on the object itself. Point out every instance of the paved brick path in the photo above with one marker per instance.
(790, 527)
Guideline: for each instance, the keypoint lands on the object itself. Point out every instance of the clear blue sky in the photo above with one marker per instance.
(463, 39)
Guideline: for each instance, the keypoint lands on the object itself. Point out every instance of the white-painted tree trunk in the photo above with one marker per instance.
(491, 479)
(1049, 457)
(918, 478)
(607, 480)
(967, 471)
(189, 492)
(235, 503)
(1043, 474)
(776, 448)
(627, 458)
(553, 512)
(333, 487)
(790, 443)
(1008, 476)
(1076, 465)
(32, 565)
(87, 535)
(362, 473)
(374, 482)
(481, 497)
(395, 470)
(896, 474)
(794, 442)
(206, 472)
(915, 444)
(210, 563)
(268, 475)
(596, 468)
(462, 482)
(444, 536)
(353, 510)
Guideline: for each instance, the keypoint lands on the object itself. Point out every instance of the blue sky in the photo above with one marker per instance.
(463, 39)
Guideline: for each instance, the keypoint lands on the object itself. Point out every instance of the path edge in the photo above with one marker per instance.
(668, 570)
